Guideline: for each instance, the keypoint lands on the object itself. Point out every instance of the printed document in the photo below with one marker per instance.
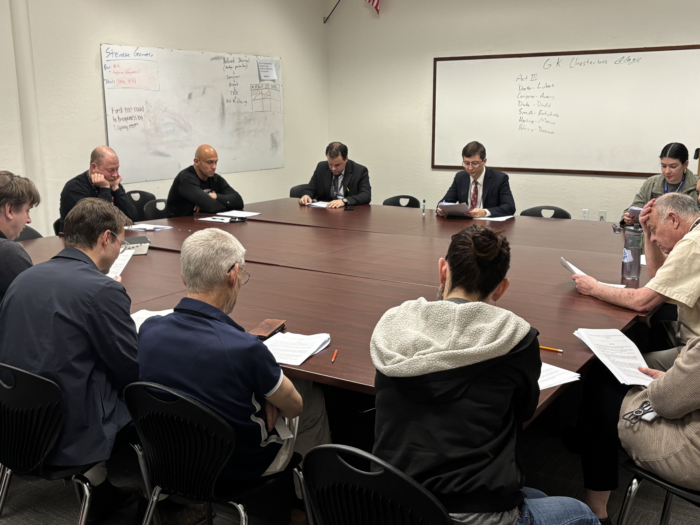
(618, 353)
(141, 316)
(121, 262)
(493, 219)
(552, 376)
(294, 349)
(459, 209)
(319, 204)
(143, 227)
(237, 213)
(566, 264)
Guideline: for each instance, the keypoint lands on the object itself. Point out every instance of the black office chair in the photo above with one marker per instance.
(28, 234)
(297, 191)
(640, 474)
(341, 494)
(559, 213)
(140, 198)
(151, 211)
(57, 226)
(31, 410)
(186, 445)
(396, 201)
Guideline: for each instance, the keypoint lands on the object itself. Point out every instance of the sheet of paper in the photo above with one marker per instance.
(121, 262)
(236, 213)
(458, 209)
(283, 429)
(643, 260)
(266, 69)
(140, 316)
(618, 353)
(214, 219)
(294, 349)
(552, 376)
(143, 227)
(566, 264)
(493, 219)
(319, 204)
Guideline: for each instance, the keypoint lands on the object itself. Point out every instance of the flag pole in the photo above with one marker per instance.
(325, 18)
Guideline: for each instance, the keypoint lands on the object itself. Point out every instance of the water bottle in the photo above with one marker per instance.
(631, 254)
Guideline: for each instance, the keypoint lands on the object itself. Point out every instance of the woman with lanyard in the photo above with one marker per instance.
(674, 177)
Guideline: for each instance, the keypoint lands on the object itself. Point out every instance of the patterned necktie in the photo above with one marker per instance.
(475, 196)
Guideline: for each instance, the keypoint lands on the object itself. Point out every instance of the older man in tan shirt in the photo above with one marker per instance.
(672, 246)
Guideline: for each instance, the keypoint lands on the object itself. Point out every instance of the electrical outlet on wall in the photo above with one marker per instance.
(601, 215)
(584, 214)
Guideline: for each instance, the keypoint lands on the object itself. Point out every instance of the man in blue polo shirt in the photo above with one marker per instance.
(200, 351)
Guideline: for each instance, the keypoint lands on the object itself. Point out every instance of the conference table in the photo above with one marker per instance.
(337, 272)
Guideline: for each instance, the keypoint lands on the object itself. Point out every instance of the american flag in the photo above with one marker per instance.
(375, 4)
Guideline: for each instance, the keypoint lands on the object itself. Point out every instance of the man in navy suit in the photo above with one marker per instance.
(338, 180)
(486, 191)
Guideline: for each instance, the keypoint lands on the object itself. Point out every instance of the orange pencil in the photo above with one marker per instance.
(335, 354)
(552, 349)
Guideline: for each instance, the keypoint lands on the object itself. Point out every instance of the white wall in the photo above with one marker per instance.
(10, 131)
(380, 71)
(66, 38)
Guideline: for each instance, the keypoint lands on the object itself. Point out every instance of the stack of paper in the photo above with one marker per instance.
(493, 219)
(141, 316)
(459, 209)
(294, 349)
(552, 376)
(566, 264)
(319, 204)
(236, 213)
(618, 353)
(143, 227)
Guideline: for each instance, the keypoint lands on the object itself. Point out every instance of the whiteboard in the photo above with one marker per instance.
(607, 112)
(161, 104)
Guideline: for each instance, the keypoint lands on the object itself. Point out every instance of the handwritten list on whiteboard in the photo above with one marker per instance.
(161, 104)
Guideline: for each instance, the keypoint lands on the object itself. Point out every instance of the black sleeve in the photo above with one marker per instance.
(113, 334)
(364, 190)
(124, 203)
(75, 192)
(505, 198)
(227, 196)
(191, 190)
(312, 188)
(452, 194)
(14, 261)
(529, 366)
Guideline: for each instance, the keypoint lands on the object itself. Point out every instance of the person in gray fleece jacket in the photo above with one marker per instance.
(456, 378)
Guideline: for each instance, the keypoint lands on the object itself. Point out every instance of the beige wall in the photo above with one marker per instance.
(66, 38)
(10, 130)
(380, 71)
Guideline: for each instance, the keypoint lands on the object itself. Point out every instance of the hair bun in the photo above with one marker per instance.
(487, 244)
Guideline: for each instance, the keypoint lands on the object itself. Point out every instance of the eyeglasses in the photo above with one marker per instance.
(244, 280)
(474, 164)
(123, 244)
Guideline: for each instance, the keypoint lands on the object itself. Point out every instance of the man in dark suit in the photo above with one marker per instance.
(338, 180)
(486, 191)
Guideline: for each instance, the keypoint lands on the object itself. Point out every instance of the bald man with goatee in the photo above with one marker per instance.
(102, 181)
(199, 189)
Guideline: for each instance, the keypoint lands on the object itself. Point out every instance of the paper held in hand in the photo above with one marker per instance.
(618, 353)
(566, 264)
(294, 349)
(458, 209)
(552, 376)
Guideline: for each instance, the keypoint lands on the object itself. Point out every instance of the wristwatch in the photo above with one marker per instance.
(345, 201)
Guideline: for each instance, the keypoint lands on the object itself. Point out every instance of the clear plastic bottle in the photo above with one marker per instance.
(631, 254)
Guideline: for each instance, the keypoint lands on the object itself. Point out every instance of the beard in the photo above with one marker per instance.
(440, 292)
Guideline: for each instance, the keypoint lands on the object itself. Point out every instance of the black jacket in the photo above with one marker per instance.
(188, 191)
(67, 322)
(497, 197)
(356, 183)
(81, 187)
(454, 431)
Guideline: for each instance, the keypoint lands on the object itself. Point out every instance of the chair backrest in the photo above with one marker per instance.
(57, 226)
(297, 191)
(186, 444)
(29, 233)
(151, 211)
(31, 410)
(140, 198)
(559, 213)
(691, 496)
(341, 494)
(396, 201)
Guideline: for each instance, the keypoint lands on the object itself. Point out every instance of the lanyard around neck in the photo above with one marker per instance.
(678, 189)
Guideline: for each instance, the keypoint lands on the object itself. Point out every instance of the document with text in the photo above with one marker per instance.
(552, 376)
(121, 262)
(142, 315)
(566, 264)
(294, 349)
(616, 351)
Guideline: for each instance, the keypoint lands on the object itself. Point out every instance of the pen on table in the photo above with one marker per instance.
(335, 354)
(552, 349)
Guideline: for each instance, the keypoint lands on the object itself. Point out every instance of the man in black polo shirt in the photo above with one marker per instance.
(102, 180)
(17, 196)
(200, 189)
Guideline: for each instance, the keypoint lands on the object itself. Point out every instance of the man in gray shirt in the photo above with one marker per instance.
(18, 195)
